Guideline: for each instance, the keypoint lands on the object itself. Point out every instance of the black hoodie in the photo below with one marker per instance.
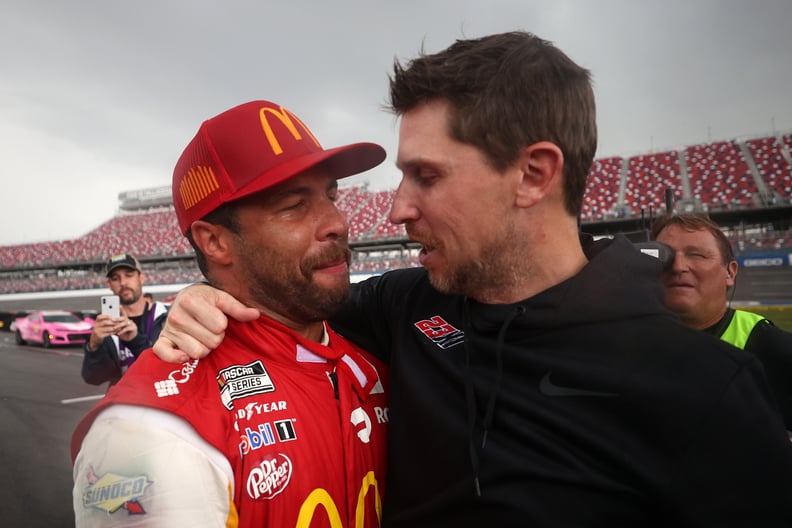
(586, 405)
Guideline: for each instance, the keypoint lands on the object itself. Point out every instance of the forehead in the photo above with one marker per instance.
(677, 235)
(318, 177)
(122, 271)
(315, 179)
(423, 130)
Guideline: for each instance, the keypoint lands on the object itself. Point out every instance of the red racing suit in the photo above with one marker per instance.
(290, 433)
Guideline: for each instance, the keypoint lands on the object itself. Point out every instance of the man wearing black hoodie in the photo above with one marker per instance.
(536, 377)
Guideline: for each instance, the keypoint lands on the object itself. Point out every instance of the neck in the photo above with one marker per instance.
(227, 280)
(135, 309)
(542, 261)
(312, 331)
(702, 323)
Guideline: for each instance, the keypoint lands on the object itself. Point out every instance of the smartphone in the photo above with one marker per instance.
(110, 305)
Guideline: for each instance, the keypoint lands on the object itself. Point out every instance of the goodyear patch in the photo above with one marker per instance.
(112, 492)
(241, 381)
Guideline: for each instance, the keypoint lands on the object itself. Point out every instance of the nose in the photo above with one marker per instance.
(333, 224)
(680, 263)
(403, 209)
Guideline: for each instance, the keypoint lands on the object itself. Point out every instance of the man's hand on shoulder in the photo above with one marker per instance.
(197, 322)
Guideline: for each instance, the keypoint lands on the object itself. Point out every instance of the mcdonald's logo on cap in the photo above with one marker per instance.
(285, 117)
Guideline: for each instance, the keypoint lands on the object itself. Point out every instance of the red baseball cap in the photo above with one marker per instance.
(252, 147)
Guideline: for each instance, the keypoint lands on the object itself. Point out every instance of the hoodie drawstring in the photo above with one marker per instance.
(470, 395)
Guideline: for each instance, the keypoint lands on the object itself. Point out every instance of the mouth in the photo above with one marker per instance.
(333, 260)
(428, 247)
(425, 253)
(338, 265)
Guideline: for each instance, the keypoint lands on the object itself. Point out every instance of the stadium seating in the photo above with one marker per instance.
(350, 199)
(649, 175)
(385, 230)
(381, 228)
(772, 165)
(719, 175)
(365, 218)
(602, 189)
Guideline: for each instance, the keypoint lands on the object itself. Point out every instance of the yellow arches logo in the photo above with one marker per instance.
(287, 119)
(320, 497)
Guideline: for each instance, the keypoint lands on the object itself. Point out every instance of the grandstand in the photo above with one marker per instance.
(745, 184)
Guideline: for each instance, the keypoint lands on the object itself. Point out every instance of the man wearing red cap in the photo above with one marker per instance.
(285, 424)
(116, 342)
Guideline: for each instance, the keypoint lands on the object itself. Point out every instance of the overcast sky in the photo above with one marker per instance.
(101, 96)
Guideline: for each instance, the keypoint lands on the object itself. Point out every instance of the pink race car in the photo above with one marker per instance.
(52, 328)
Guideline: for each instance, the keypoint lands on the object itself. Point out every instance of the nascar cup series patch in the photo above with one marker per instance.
(241, 381)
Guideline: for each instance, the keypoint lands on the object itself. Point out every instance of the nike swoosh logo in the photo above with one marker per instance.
(548, 388)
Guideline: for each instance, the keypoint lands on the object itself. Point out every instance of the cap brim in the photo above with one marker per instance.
(113, 268)
(340, 162)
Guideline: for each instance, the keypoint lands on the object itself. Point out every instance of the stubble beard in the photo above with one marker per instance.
(274, 283)
(496, 268)
(128, 301)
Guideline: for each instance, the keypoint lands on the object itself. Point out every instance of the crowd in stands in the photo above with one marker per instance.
(721, 174)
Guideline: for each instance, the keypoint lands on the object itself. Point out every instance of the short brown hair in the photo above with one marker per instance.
(696, 222)
(506, 92)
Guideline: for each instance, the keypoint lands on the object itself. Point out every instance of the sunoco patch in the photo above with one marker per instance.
(241, 381)
(112, 492)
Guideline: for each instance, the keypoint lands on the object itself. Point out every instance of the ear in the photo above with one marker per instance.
(541, 165)
(213, 241)
(731, 273)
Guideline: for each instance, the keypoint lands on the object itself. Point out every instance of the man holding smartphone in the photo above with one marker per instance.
(120, 336)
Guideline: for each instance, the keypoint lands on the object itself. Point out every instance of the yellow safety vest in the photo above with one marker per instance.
(740, 327)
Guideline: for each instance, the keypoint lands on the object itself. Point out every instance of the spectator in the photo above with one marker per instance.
(537, 377)
(116, 342)
(696, 289)
(149, 299)
(285, 424)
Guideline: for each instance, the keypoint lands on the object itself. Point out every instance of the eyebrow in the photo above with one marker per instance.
(416, 162)
(302, 191)
(698, 249)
